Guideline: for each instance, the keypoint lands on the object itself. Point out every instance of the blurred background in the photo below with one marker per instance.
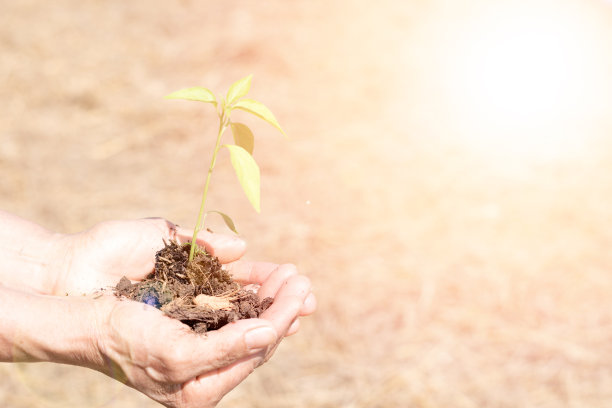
(446, 185)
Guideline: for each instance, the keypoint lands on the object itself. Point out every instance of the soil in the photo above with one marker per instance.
(199, 293)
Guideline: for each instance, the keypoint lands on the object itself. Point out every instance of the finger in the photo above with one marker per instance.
(250, 272)
(287, 304)
(276, 280)
(285, 310)
(309, 306)
(295, 326)
(213, 386)
(225, 247)
(192, 355)
(259, 272)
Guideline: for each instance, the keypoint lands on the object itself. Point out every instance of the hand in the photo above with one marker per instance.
(165, 360)
(194, 370)
(140, 346)
(99, 257)
(137, 343)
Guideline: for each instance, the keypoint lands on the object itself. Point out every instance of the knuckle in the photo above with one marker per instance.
(299, 285)
(173, 375)
(290, 269)
(285, 272)
(227, 349)
(224, 354)
(176, 356)
(302, 281)
(156, 375)
(296, 306)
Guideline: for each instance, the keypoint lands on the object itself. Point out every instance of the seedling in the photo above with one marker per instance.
(241, 151)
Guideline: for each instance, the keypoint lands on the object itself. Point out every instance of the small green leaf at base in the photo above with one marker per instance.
(228, 221)
(238, 89)
(260, 110)
(247, 171)
(243, 136)
(194, 94)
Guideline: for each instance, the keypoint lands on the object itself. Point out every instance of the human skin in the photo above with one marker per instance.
(44, 275)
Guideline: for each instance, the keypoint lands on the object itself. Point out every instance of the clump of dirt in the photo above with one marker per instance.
(199, 293)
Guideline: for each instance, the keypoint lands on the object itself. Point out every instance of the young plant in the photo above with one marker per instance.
(240, 152)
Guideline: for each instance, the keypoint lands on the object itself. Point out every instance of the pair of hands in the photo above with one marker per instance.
(152, 353)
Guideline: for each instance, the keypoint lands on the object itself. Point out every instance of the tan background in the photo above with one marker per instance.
(446, 277)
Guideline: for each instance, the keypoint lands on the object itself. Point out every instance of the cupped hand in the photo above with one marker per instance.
(99, 257)
(165, 360)
(160, 356)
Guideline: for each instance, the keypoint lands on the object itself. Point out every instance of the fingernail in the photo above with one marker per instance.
(259, 338)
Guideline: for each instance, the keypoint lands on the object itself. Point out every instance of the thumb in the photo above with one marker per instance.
(225, 247)
(194, 355)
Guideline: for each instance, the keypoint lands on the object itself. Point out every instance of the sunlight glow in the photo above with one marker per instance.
(524, 81)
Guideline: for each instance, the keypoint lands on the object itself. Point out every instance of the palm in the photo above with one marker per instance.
(102, 255)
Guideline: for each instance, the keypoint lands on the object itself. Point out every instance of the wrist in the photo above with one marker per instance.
(48, 329)
(32, 256)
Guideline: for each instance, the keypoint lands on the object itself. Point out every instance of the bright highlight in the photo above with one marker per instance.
(525, 81)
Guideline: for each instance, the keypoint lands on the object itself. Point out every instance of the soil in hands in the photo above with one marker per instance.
(200, 294)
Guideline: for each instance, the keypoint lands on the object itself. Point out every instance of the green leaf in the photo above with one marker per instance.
(238, 89)
(227, 219)
(243, 136)
(248, 173)
(258, 109)
(194, 94)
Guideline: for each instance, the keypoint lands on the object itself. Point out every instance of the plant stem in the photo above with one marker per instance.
(223, 123)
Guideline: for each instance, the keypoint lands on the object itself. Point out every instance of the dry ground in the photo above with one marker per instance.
(443, 281)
